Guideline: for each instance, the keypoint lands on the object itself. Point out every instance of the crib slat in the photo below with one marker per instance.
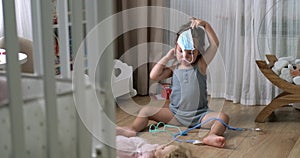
(77, 26)
(48, 78)
(36, 36)
(84, 138)
(14, 80)
(90, 24)
(63, 33)
(90, 7)
(103, 10)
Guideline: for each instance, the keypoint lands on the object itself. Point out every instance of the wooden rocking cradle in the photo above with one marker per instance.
(290, 94)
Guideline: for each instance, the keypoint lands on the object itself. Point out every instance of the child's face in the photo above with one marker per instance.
(186, 57)
(163, 150)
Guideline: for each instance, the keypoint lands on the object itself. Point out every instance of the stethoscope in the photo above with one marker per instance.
(184, 55)
(196, 142)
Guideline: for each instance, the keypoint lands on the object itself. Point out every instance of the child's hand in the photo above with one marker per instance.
(171, 54)
(197, 22)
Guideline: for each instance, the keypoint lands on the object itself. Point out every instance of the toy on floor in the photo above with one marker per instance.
(136, 147)
(185, 132)
(166, 90)
(288, 69)
(122, 83)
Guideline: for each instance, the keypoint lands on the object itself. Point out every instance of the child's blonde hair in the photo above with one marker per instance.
(179, 152)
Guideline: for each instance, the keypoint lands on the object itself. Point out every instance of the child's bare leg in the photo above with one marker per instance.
(215, 136)
(147, 113)
(125, 131)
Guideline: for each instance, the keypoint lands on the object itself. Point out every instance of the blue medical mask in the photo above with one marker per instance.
(185, 40)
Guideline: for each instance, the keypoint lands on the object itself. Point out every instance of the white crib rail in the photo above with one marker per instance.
(96, 11)
(45, 47)
(14, 79)
(63, 34)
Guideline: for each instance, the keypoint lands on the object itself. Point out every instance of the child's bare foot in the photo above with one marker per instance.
(125, 131)
(214, 140)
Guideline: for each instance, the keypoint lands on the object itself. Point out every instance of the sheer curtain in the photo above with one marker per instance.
(240, 26)
(23, 18)
(281, 29)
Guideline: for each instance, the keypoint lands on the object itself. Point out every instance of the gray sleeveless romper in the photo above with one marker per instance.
(188, 100)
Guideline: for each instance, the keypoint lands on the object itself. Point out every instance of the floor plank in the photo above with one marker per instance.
(296, 150)
(279, 138)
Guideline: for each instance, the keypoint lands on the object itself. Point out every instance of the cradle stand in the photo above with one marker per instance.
(290, 94)
(122, 84)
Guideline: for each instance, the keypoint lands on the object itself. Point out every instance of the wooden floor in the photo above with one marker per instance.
(279, 139)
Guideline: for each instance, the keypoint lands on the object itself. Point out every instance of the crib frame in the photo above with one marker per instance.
(43, 69)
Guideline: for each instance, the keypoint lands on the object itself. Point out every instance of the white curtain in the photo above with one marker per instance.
(23, 18)
(247, 30)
